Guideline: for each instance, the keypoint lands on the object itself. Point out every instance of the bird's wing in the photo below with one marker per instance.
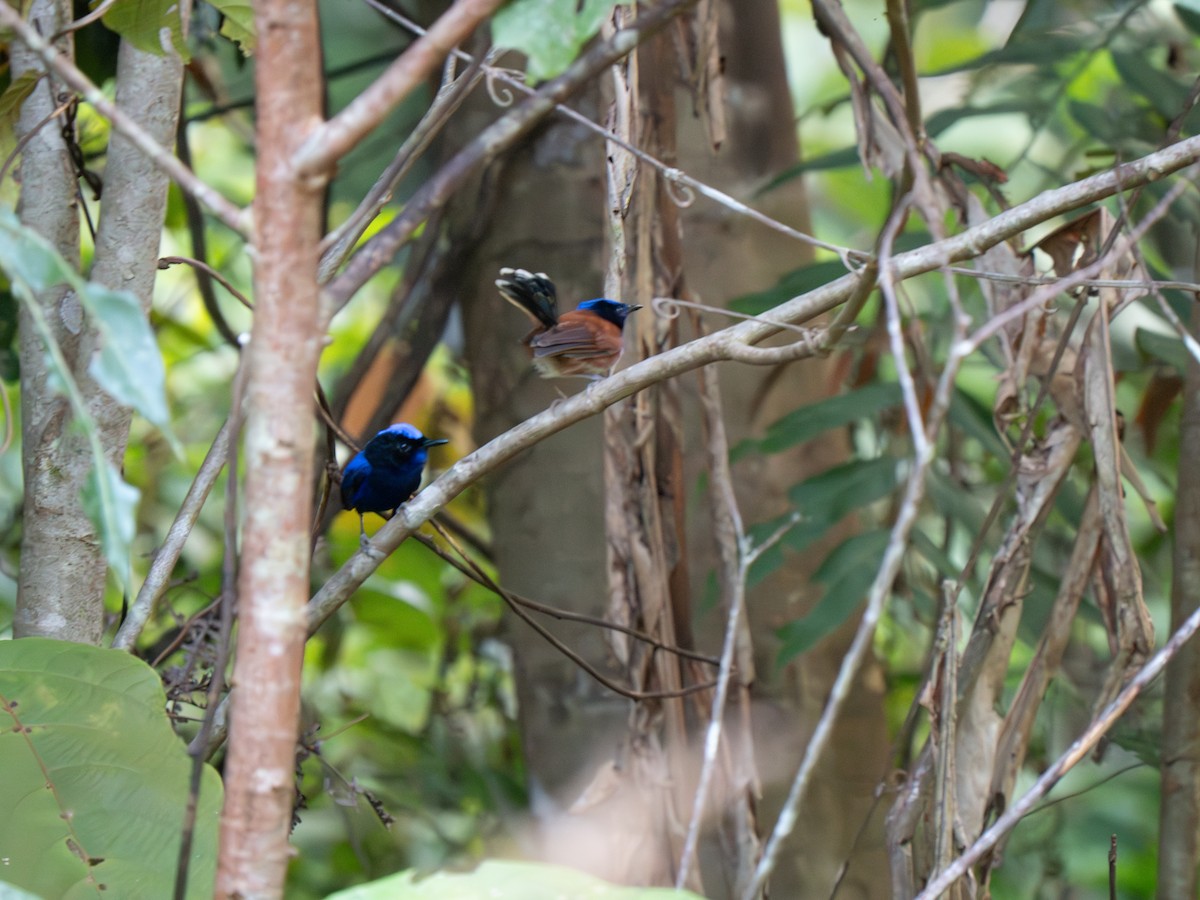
(353, 477)
(576, 340)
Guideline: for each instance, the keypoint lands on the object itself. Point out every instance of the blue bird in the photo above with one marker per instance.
(387, 471)
(586, 341)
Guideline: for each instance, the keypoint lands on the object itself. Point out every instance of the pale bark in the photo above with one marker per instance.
(62, 565)
(61, 581)
(282, 357)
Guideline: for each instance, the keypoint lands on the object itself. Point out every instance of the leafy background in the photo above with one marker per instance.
(410, 703)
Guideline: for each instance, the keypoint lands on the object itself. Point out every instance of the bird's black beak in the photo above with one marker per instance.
(433, 442)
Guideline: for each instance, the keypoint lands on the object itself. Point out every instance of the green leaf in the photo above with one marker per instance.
(847, 573)
(26, 256)
(95, 779)
(968, 414)
(14, 95)
(238, 24)
(129, 365)
(807, 422)
(141, 22)
(110, 503)
(1163, 92)
(843, 489)
(505, 880)
(1163, 347)
(549, 32)
(1189, 13)
(798, 281)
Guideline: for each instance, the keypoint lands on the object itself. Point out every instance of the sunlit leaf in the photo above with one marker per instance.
(238, 24)
(549, 32)
(150, 25)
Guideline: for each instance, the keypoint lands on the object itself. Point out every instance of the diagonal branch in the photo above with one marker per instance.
(723, 345)
(331, 141)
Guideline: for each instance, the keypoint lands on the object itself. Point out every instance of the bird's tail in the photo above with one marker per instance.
(532, 293)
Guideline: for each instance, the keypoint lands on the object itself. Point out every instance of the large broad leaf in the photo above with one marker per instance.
(95, 780)
(549, 32)
(503, 880)
(144, 22)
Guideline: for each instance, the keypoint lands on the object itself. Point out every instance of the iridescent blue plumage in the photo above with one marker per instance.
(387, 471)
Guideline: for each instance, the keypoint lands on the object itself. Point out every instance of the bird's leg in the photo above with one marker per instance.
(363, 540)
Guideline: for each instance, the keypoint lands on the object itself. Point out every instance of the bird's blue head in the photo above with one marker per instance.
(609, 310)
(399, 441)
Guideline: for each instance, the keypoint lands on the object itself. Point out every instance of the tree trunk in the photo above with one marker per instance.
(60, 587)
(63, 570)
(547, 507)
(273, 583)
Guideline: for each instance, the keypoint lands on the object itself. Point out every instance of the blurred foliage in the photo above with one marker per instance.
(410, 708)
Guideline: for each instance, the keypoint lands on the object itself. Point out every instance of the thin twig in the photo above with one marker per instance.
(167, 261)
(563, 648)
(330, 141)
(472, 571)
(168, 554)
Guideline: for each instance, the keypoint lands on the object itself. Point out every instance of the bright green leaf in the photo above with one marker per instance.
(129, 365)
(142, 23)
(238, 24)
(110, 503)
(505, 880)
(95, 779)
(549, 32)
(10, 108)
